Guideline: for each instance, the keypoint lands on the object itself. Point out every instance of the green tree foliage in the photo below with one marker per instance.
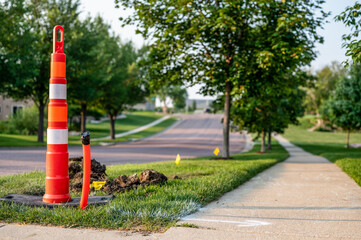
(176, 93)
(87, 63)
(24, 122)
(194, 105)
(222, 44)
(324, 84)
(274, 110)
(16, 45)
(284, 44)
(26, 45)
(121, 87)
(179, 96)
(163, 93)
(351, 17)
(26, 29)
(344, 106)
(217, 104)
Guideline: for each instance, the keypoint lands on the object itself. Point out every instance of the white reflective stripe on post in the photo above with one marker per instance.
(57, 136)
(57, 91)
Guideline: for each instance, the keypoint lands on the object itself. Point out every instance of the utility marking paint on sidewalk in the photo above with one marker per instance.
(247, 223)
(135, 130)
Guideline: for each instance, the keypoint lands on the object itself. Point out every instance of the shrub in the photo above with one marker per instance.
(307, 121)
(74, 125)
(24, 122)
(3, 126)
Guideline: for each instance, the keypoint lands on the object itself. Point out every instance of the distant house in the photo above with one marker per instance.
(9, 106)
(145, 106)
(168, 101)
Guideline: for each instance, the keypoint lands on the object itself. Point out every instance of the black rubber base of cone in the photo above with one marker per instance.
(38, 200)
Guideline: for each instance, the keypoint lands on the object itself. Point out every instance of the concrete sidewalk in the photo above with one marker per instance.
(305, 197)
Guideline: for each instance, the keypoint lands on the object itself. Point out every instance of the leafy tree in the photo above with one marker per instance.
(87, 63)
(73, 112)
(272, 111)
(16, 46)
(324, 84)
(121, 87)
(351, 17)
(222, 43)
(163, 93)
(174, 92)
(179, 96)
(273, 100)
(194, 105)
(344, 105)
(217, 104)
(24, 122)
(26, 29)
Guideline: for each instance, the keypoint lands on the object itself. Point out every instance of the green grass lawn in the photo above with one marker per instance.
(153, 208)
(146, 133)
(12, 140)
(133, 121)
(331, 146)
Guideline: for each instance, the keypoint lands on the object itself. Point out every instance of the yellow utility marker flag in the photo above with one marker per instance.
(97, 185)
(177, 160)
(216, 151)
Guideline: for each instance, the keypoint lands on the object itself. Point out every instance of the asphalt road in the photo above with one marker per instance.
(194, 136)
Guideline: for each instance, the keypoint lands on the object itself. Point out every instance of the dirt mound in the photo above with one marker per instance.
(76, 173)
(175, 177)
(119, 184)
(150, 177)
(122, 183)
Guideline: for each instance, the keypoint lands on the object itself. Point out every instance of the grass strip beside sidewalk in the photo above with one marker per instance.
(153, 208)
(330, 145)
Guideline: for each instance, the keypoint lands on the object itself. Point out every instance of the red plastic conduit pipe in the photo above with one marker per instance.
(85, 139)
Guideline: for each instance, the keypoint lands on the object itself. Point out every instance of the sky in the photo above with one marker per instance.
(330, 50)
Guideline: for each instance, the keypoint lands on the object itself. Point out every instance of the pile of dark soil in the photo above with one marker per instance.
(76, 173)
(122, 183)
(119, 184)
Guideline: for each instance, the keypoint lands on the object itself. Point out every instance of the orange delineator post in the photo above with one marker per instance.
(57, 177)
(85, 139)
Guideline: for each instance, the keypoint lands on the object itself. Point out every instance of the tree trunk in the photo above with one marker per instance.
(269, 139)
(70, 121)
(227, 106)
(348, 139)
(83, 117)
(165, 106)
(263, 150)
(41, 122)
(112, 125)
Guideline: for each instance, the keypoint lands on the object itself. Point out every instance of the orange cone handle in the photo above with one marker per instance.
(57, 177)
(85, 138)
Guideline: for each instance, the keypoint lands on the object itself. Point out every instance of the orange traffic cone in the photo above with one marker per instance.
(57, 177)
